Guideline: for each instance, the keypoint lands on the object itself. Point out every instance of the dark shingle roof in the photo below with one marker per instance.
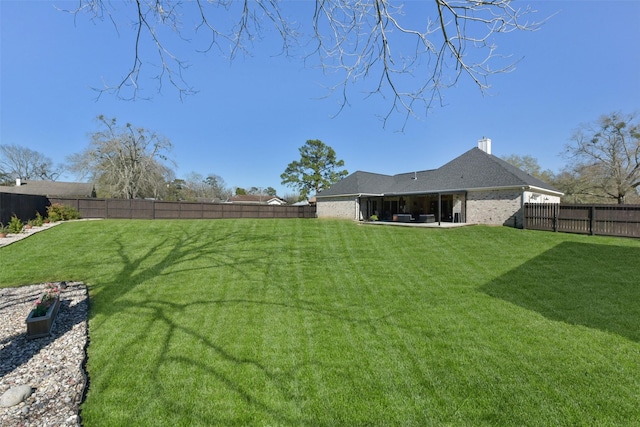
(52, 188)
(359, 183)
(472, 170)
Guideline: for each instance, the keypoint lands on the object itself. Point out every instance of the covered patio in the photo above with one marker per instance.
(417, 224)
(416, 208)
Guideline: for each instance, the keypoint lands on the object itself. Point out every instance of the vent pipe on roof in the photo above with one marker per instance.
(18, 182)
(485, 145)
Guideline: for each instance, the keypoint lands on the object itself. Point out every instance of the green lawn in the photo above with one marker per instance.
(327, 323)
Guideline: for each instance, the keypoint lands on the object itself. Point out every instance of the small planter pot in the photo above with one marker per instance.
(38, 327)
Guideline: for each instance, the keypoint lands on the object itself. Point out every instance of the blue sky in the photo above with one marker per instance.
(250, 116)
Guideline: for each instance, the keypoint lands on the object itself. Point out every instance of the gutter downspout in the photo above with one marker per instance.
(521, 208)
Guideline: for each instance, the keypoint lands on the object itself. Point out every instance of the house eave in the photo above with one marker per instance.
(463, 190)
(521, 188)
(451, 191)
(352, 195)
(546, 190)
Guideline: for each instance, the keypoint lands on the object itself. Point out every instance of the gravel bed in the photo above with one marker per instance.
(12, 238)
(53, 366)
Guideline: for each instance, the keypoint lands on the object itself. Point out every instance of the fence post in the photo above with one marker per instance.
(592, 218)
(556, 213)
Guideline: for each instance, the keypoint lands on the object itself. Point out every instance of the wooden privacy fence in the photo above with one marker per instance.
(24, 206)
(606, 220)
(154, 209)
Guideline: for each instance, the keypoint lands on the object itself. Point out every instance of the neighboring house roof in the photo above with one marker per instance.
(51, 188)
(311, 201)
(474, 169)
(253, 199)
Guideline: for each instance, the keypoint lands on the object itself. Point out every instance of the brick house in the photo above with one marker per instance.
(476, 188)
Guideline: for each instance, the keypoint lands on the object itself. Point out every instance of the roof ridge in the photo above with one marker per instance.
(512, 169)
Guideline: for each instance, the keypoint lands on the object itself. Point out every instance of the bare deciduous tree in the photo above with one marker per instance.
(411, 51)
(24, 163)
(605, 157)
(125, 161)
(196, 187)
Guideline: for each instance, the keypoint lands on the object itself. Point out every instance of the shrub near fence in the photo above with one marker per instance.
(154, 209)
(606, 220)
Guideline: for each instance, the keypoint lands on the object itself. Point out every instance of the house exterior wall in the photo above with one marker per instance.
(459, 211)
(538, 197)
(495, 207)
(338, 207)
(491, 207)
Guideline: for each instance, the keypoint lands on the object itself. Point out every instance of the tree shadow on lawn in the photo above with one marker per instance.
(212, 365)
(181, 250)
(277, 378)
(586, 284)
(220, 252)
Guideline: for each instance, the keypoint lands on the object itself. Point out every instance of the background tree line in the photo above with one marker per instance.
(603, 162)
(124, 161)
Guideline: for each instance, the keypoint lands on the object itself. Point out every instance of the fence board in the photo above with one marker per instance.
(606, 220)
(154, 209)
(91, 208)
(540, 216)
(24, 206)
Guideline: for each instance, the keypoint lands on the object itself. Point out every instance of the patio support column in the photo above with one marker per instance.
(439, 207)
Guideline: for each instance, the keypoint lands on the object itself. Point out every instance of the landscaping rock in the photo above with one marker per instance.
(15, 395)
(52, 366)
(14, 237)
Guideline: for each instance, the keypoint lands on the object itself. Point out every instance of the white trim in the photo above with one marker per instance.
(351, 195)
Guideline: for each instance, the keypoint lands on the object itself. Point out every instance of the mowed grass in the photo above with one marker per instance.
(327, 323)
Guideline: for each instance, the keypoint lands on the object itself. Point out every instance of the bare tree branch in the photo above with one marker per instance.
(605, 155)
(18, 162)
(355, 40)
